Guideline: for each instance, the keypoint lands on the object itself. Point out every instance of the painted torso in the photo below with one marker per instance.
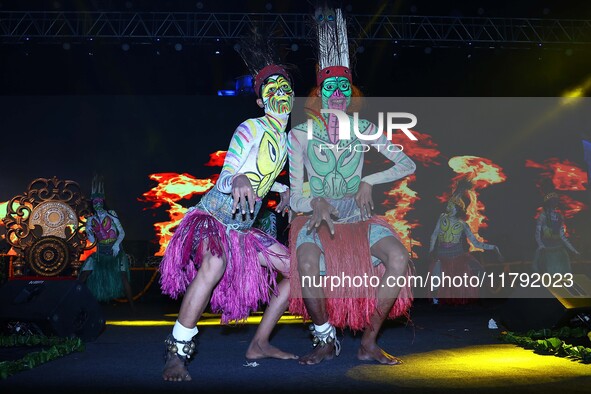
(552, 223)
(258, 150)
(334, 167)
(103, 227)
(450, 230)
(333, 173)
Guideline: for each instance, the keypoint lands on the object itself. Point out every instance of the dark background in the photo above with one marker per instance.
(130, 114)
(505, 70)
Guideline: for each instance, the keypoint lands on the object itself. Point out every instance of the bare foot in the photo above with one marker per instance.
(257, 350)
(175, 370)
(320, 353)
(375, 353)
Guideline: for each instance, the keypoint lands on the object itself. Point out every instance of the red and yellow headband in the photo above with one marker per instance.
(333, 71)
(265, 73)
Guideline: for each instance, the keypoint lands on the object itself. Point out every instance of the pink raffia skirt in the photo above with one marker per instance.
(245, 283)
(348, 253)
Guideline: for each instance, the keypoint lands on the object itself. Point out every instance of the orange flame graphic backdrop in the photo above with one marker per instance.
(173, 187)
(216, 159)
(483, 173)
(401, 196)
(565, 176)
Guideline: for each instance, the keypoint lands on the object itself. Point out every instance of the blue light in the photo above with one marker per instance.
(226, 93)
(244, 85)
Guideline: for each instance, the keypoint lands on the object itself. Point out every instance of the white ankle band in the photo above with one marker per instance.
(321, 329)
(182, 333)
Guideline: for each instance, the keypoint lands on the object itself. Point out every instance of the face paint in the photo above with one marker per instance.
(97, 204)
(451, 209)
(336, 93)
(277, 95)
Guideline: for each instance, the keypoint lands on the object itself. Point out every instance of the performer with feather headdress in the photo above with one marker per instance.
(105, 272)
(336, 233)
(215, 254)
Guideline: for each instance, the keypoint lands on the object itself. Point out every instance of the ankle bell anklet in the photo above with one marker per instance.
(172, 347)
(326, 337)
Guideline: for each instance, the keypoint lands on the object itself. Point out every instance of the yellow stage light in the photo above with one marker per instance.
(486, 366)
(208, 319)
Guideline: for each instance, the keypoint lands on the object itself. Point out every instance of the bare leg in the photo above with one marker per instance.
(259, 346)
(395, 258)
(308, 255)
(194, 302)
(127, 288)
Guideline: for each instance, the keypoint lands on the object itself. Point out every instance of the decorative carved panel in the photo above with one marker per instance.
(48, 256)
(46, 227)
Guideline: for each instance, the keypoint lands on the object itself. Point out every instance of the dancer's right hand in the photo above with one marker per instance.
(242, 193)
(322, 213)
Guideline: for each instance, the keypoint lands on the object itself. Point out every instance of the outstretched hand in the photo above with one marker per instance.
(242, 194)
(283, 205)
(322, 213)
(364, 200)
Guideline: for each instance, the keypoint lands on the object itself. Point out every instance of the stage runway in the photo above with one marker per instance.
(444, 349)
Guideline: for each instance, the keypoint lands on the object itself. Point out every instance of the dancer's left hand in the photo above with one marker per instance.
(364, 200)
(283, 205)
(115, 250)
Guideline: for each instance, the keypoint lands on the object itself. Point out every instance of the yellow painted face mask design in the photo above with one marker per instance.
(277, 95)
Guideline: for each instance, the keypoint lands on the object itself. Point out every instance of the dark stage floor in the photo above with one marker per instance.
(446, 348)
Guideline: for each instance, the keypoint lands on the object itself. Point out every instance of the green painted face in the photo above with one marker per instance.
(336, 93)
(451, 209)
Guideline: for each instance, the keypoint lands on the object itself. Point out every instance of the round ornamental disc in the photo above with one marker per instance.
(49, 256)
(54, 217)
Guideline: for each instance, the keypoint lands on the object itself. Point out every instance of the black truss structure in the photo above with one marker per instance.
(18, 27)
